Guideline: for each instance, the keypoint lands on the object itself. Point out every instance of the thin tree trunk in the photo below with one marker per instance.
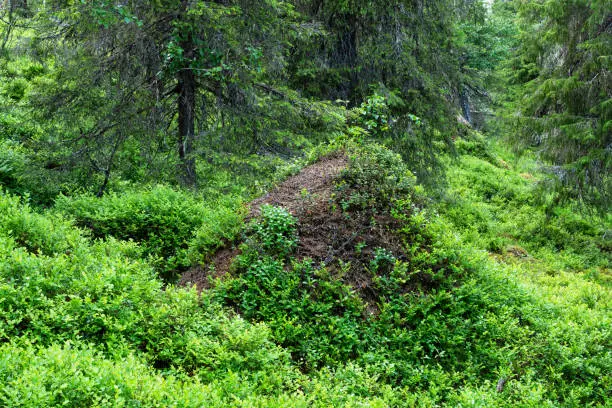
(9, 26)
(186, 122)
(109, 165)
(186, 90)
(14, 8)
(346, 55)
(464, 99)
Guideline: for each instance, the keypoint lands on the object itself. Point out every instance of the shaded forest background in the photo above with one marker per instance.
(97, 92)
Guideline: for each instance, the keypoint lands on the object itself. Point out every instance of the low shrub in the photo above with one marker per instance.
(77, 375)
(13, 162)
(57, 287)
(220, 226)
(165, 222)
(16, 89)
(276, 231)
(375, 178)
(314, 316)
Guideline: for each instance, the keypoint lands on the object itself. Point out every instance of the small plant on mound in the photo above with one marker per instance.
(276, 231)
(373, 115)
(383, 260)
(274, 234)
(375, 178)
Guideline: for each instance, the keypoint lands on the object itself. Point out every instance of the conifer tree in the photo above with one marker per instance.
(565, 110)
(148, 68)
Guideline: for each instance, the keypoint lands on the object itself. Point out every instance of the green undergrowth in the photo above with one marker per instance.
(316, 312)
(495, 299)
(502, 302)
(452, 324)
(174, 228)
(556, 255)
(83, 323)
(494, 200)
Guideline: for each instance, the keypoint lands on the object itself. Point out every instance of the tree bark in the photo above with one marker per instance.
(464, 99)
(346, 55)
(186, 90)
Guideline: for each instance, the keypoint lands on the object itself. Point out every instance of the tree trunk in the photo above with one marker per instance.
(464, 99)
(346, 55)
(186, 120)
(9, 27)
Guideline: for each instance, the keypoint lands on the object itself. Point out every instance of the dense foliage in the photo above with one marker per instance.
(450, 321)
(566, 100)
(405, 254)
(139, 91)
(168, 224)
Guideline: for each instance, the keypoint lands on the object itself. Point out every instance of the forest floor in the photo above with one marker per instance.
(482, 294)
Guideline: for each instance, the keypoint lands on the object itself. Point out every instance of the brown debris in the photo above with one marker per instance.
(517, 251)
(327, 235)
(313, 184)
(310, 187)
(202, 276)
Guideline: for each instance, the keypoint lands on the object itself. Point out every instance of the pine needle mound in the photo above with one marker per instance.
(349, 210)
(311, 187)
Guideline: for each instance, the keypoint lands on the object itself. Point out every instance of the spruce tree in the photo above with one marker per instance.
(565, 109)
(140, 70)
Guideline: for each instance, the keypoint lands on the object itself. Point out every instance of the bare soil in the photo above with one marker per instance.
(202, 276)
(313, 185)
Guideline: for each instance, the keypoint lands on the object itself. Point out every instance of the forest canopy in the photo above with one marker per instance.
(142, 90)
